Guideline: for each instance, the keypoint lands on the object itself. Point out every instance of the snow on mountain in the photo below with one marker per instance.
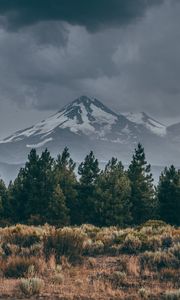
(86, 124)
(39, 144)
(83, 116)
(142, 118)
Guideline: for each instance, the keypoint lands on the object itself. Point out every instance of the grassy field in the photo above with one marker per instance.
(88, 263)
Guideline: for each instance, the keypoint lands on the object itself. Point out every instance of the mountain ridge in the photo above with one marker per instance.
(86, 123)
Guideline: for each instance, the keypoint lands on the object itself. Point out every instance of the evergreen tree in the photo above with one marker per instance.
(18, 198)
(24, 193)
(4, 205)
(142, 190)
(64, 173)
(112, 196)
(46, 184)
(57, 210)
(88, 171)
(33, 192)
(168, 192)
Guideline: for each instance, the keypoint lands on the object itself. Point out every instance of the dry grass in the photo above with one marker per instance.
(141, 263)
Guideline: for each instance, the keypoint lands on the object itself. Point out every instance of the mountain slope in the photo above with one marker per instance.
(174, 132)
(151, 124)
(85, 121)
(83, 116)
(87, 124)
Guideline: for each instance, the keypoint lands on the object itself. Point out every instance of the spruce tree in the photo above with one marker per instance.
(31, 186)
(18, 198)
(35, 191)
(112, 196)
(88, 171)
(64, 172)
(57, 210)
(24, 192)
(4, 205)
(168, 192)
(142, 190)
(46, 183)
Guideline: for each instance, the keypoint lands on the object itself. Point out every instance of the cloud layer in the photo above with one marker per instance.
(91, 14)
(50, 58)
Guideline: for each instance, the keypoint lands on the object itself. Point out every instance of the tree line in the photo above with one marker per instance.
(47, 190)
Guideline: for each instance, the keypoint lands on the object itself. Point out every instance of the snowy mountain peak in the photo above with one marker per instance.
(88, 116)
(151, 124)
(83, 116)
(86, 123)
(88, 103)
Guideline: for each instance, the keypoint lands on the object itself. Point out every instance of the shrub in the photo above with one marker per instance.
(176, 235)
(158, 260)
(6, 248)
(166, 240)
(94, 248)
(172, 295)
(17, 267)
(58, 279)
(119, 277)
(114, 250)
(132, 244)
(90, 230)
(107, 236)
(21, 235)
(66, 241)
(154, 243)
(91, 262)
(154, 224)
(175, 250)
(31, 286)
(168, 274)
(143, 293)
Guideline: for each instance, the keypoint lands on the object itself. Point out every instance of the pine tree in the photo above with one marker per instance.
(112, 196)
(35, 191)
(24, 192)
(57, 210)
(142, 190)
(18, 198)
(88, 171)
(64, 173)
(168, 192)
(46, 183)
(3, 201)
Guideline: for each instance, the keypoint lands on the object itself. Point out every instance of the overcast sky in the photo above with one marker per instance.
(124, 52)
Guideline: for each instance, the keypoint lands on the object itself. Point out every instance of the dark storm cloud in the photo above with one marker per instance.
(92, 14)
(49, 63)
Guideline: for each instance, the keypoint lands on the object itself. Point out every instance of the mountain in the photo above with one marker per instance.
(174, 132)
(151, 124)
(82, 125)
(87, 124)
(83, 117)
